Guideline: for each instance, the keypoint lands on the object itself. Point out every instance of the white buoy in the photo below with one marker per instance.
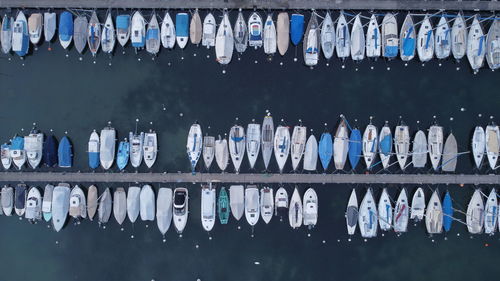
(294, 59)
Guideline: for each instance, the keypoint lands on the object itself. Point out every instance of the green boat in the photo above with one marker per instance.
(223, 206)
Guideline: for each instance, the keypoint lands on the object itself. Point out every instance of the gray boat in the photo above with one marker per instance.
(133, 203)
(94, 34)
(120, 205)
(104, 210)
(49, 26)
(147, 203)
(60, 205)
(80, 27)
(493, 45)
(153, 36)
(6, 35)
(7, 200)
(240, 34)
(450, 154)
(92, 201)
(267, 139)
(311, 45)
(164, 209)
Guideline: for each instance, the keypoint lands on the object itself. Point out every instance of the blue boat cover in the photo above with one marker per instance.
(17, 143)
(64, 153)
(408, 46)
(447, 212)
(20, 193)
(481, 45)
(355, 147)
(65, 26)
(375, 36)
(94, 160)
(386, 145)
(428, 39)
(26, 40)
(6, 25)
(446, 39)
(391, 51)
(49, 156)
(297, 28)
(182, 25)
(152, 34)
(122, 21)
(122, 155)
(325, 150)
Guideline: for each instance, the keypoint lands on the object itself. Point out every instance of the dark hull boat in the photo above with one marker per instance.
(49, 156)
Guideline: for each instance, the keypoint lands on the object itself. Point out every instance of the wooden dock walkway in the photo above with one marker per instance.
(490, 5)
(76, 177)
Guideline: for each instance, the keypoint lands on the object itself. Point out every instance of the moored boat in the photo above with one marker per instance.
(93, 150)
(208, 207)
(443, 34)
(478, 146)
(123, 28)
(194, 145)
(80, 32)
(357, 40)
(164, 209)
(108, 37)
(401, 212)
(435, 145)
(46, 202)
(133, 203)
(150, 148)
(311, 46)
(434, 215)
(310, 208)
(328, 36)
(385, 211)
(475, 213)
(107, 147)
(223, 208)
(136, 148)
(94, 34)
(370, 145)
(92, 201)
(295, 211)
(373, 38)
(408, 38)
(224, 41)
(402, 144)
(297, 146)
(355, 148)
(240, 32)
(390, 40)
(283, 32)
(255, 30)
(120, 205)
(266, 204)
(450, 154)
(180, 210)
(367, 216)
(209, 31)
(7, 200)
(311, 154)
(6, 34)
(221, 153)
(77, 203)
(208, 151)
(181, 29)
(447, 212)
(17, 152)
(20, 35)
(342, 37)
(147, 203)
(153, 36)
(281, 202)
(351, 213)
(425, 40)
(418, 205)
(269, 36)
(105, 207)
(66, 29)
(419, 150)
(492, 145)
(35, 23)
(33, 205)
(459, 37)
(122, 155)
(253, 143)
(476, 45)
(167, 32)
(65, 153)
(60, 205)
(281, 146)
(267, 139)
(5, 156)
(325, 150)
(341, 145)
(491, 213)
(138, 31)
(493, 45)
(33, 145)
(252, 208)
(195, 28)
(237, 201)
(49, 157)
(296, 28)
(237, 142)
(385, 145)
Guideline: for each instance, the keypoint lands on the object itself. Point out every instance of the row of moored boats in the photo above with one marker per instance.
(343, 36)
(481, 216)
(55, 204)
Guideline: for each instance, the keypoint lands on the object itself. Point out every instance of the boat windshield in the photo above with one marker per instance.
(180, 198)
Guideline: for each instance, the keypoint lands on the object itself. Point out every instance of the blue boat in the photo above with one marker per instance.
(123, 28)
(297, 28)
(182, 29)
(64, 153)
(65, 29)
(20, 35)
(123, 154)
(355, 147)
(93, 150)
(447, 212)
(325, 149)
(49, 155)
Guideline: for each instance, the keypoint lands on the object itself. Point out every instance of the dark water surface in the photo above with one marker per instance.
(177, 88)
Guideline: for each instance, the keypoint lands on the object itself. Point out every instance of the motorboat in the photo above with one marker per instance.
(134, 203)
(310, 208)
(435, 145)
(150, 148)
(20, 35)
(209, 31)
(295, 211)
(221, 153)
(385, 214)
(33, 145)
(107, 147)
(208, 151)
(237, 142)
(35, 27)
(281, 202)
(33, 205)
(281, 146)
(252, 208)
(138, 31)
(77, 203)
(266, 204)
(194, 145)
(180, 210)
(6, 34)
(367, 216)
(434, 215)
(418, 205)
(136, 148)
(267, 139)
(17, 152)
(208, 207)
(47, 202)
(93, 150)
(269, 36)
(255, 30)
(224, 41)
(164, 210)
(297, 146)
(147, 203)
(49, 157)
(5, 156)
(66, 29)
(352, 213)
(92, 201)
(7, 200)
(311, 154)
(181, 29)
(253, 143)
(237, 201)
(60, 205)
(122, 155)
(120, 205)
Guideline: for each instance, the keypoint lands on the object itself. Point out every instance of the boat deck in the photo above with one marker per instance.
(449, 5)
(75, 177)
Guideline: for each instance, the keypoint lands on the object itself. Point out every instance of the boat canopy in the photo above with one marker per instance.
(64, 153)
(122, 21)
(182, 25)
(355, 147)
(386, 144)
(297, 28)
(447, 212)
(17, 143)
(391, 51)
(65, 26)
(153, 33)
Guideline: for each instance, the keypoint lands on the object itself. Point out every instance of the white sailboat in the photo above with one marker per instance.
(224, 41)
(269, 37)
(425, 40)
(390, 40)
(311, 42)
(434, 215)
(385, 211)
(401, 212)
(476, 48)
(208, 151)
(373, 38)
(408, 37)
(459, 37)
(237, 201)
(370, 145)
(167, 32)
(491, 213)
(298, 144)
(478, 145)
(147, 203)
(295, 211)
(419, 150)
(253, 143)
(240, 33)
(418, 205)
(493, 45)
(328, 36)
(108, 37)
(342, 38)
(237, 143)
(221, 153)
(492, 145)
(443, 36)
(435, 145)
(475, 213)
(367, 216)
(311, 154)
(357, 40)
(281, 146)
(341, 145)
(402, 144)
(267, 139)
(194, 145)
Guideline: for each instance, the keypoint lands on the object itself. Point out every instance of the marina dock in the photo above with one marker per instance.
(260, 4)
(76, 177)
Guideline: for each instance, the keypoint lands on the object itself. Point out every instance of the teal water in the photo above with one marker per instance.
(177, 88)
